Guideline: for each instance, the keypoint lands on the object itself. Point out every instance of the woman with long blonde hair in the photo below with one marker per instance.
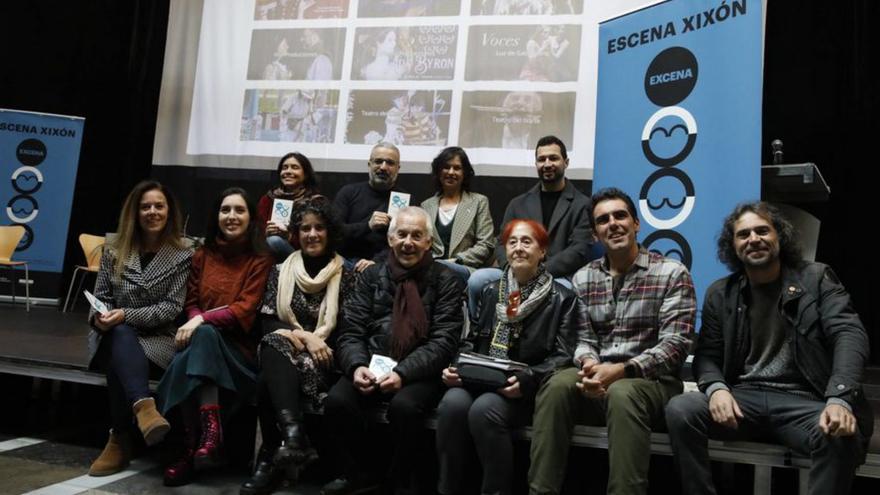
(142, 282)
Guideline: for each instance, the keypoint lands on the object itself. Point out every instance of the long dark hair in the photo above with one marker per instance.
(310, 180)
(440, 161)
(255, 239)
(789, 249)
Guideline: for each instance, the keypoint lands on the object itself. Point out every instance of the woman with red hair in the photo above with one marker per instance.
(526, 317)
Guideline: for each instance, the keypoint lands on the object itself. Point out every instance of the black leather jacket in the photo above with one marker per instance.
(365, 328)
(830, 345)
(548, 338)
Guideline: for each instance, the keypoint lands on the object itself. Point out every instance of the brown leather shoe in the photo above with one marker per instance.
(115, 456)
(152, 425)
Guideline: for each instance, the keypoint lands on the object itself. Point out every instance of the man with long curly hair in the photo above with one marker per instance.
(779, 358)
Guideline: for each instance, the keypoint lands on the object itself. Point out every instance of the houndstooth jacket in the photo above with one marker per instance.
(151, 297)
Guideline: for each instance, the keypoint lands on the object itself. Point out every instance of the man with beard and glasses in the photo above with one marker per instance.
(779, 357)
(409, 309)
(638, 311)
(363, 208)
(559, 207)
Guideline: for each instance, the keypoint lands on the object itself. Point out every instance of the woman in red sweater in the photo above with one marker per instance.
(297, 183)
(215, 361)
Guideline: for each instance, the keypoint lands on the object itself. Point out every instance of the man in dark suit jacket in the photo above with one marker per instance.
(563, 210)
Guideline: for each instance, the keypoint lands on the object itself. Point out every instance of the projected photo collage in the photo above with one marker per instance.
(385, 68)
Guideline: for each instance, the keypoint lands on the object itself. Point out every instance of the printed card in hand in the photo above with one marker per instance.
(396, 202)
(380, 366)
(282, 209)
(96, 303)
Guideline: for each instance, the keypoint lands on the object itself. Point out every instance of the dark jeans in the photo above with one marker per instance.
(345, 409)
(465, 419)
(769, 415)
(128, 371)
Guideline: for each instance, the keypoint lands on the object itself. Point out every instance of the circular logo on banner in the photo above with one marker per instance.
(27, 239)
(22, 209)
(673, 132)
(31, 152)
(671, 76)
(27, 180)
(671, 244)
(674, 198)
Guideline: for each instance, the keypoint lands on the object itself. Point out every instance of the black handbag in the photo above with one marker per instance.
(482, 378)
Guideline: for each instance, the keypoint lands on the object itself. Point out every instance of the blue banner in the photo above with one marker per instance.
(678, 123)
(39, 154)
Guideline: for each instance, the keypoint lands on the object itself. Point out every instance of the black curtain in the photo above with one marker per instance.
(102, 59)
(98, 59)
(821, 67)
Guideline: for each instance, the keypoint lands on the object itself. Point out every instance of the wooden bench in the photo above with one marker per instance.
(763, 456)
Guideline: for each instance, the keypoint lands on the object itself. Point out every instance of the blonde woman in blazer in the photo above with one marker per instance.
(142, 281)
(463, 231)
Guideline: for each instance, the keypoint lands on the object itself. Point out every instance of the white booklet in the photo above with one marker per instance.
(282, 209)
(96, 303)
(490, 362)
(380, 366)
(397, 201)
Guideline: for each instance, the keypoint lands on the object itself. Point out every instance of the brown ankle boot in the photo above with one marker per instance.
(153, 426)
(115, 456)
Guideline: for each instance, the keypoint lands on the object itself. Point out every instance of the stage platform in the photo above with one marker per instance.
(45, 343)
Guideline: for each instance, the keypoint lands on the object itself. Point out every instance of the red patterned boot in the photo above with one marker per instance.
(180, 472)
(209, 454)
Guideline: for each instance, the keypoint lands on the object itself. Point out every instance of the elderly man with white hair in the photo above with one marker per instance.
(407, 309)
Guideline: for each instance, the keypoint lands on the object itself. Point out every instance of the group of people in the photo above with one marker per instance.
(290, 316)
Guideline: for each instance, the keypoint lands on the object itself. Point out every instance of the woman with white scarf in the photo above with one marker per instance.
(301, 307)
(526, 317)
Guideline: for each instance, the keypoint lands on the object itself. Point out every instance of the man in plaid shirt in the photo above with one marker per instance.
(637, 312)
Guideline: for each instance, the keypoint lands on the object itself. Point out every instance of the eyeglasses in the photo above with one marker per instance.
(380, 161)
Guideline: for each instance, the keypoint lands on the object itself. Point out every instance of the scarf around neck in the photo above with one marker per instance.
(293, 273)
(409, 323)
(511, 311)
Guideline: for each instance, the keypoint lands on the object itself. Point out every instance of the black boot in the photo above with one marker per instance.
(266, 476)
(294, 449)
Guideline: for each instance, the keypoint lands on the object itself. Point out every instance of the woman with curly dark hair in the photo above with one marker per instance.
(302, 304)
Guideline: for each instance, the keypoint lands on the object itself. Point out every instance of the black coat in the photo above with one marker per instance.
(548, 338)
(571, 238)
(830, 345)
(365, 328)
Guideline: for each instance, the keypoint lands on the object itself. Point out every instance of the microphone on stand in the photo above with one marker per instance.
(776, 145)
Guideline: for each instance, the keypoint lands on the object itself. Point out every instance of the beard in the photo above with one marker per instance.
(554, 179)
(381, 181)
